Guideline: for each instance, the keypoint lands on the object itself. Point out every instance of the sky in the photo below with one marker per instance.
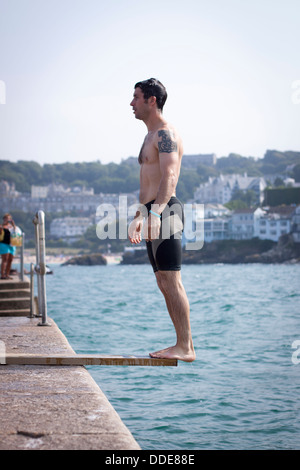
(68, 70)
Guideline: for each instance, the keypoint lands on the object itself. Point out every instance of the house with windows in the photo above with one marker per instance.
(275, 222)
(221, 189)
(215, 229)
(70, 228)
(207, 222)
(296, 225)
(243, 222)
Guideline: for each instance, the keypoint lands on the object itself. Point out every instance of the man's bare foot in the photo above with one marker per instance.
(174, 352)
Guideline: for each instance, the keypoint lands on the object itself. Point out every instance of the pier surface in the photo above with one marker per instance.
(49, 407)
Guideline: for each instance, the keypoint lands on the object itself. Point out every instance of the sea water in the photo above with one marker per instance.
(242, 392)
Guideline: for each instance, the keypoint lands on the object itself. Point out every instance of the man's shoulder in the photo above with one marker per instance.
(168, 139)
(167, 127)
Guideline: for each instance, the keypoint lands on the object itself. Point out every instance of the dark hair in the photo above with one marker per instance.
(153, 87)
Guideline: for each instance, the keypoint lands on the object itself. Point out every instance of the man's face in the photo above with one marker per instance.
(139, 104)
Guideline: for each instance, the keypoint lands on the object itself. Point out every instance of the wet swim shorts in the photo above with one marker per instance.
(165, 252)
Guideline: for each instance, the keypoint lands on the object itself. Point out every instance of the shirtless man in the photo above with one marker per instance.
(160, 160)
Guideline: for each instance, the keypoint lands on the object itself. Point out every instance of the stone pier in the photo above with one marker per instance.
(49, 407)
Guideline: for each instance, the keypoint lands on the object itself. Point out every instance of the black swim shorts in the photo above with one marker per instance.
(165, 252)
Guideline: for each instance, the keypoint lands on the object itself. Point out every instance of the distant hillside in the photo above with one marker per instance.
(124, 177)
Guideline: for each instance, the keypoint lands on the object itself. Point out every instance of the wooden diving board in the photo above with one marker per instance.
(85, 360)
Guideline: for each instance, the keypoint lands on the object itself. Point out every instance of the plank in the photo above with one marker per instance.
(85, 360)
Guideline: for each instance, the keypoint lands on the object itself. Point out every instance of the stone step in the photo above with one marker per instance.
(15, 303)
(6, 284)
(15, 313)
(9, 293)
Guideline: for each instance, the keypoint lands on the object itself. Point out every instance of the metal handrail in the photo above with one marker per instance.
(40, 268)
(22, 257)
(32, 305)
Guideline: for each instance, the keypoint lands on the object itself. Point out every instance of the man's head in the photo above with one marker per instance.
(153, 87)
(7, 218)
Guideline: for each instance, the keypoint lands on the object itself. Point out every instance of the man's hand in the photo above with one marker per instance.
(135, 230)
(152, 228)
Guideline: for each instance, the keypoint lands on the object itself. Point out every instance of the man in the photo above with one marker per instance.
(160, 160)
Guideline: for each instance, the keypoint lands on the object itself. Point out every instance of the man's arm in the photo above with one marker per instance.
(168, 161)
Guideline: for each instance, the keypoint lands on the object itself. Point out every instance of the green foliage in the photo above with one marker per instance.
(124, 177)
(296, 173)
(204, 172)
(90, 241)
(276, 197)
(277, 162)
(188, 182)
(236, 204)
(237, 164)
(248, 197)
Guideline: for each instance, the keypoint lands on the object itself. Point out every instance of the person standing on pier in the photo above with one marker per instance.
(6, 250)
(160, 162)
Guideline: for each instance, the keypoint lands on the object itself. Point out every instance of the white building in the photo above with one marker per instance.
(69, 228)
(271, 228)
(221, 188)
(215, 229)
(207, 222)
(296, 225)
(276, 222)
(216, 220)
(8, 189)
(212, 210)
(243, 222)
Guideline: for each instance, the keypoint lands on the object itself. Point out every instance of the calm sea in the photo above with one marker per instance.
(243, 390)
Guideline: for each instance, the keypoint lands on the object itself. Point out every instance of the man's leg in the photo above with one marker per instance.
(178, 307)
(3, 265)
(8, 265)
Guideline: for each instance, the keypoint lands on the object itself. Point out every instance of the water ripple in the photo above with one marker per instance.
(243, 390)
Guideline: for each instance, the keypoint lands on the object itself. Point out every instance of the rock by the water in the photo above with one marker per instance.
(86, 260)
(285, 251)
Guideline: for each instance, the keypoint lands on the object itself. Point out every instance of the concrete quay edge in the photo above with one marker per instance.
(52, 407)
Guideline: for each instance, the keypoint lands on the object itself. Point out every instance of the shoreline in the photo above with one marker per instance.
(60, 259)
(223, 251)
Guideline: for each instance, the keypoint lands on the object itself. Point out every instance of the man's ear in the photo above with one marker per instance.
(152, 100)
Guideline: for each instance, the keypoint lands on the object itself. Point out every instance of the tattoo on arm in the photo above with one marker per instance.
(167, 144)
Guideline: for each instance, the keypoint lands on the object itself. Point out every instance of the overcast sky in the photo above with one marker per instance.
(68, 68)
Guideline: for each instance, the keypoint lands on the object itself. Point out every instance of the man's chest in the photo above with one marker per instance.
(149, 151)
